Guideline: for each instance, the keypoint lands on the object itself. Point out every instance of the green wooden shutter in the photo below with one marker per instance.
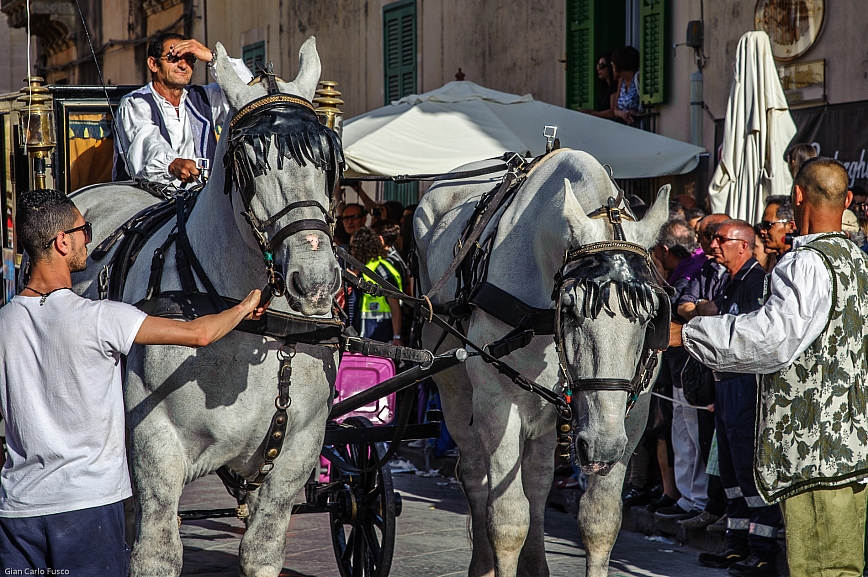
(580, 56)
(594, 27)
(652, 51)
(399, 49)
(253, 53)
(399, 65)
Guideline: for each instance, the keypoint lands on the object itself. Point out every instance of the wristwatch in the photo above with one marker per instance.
(213, 58)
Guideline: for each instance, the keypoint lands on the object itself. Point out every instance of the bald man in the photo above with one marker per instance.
(807, 342)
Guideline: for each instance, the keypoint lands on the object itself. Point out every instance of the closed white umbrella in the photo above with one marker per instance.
(463, 122)
(757, 131)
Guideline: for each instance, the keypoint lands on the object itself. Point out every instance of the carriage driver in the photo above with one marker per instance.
(168, 125)
(65, 476)
(808, 344)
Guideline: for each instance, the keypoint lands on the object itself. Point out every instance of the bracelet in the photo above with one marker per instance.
(213, 59)
(396, 337)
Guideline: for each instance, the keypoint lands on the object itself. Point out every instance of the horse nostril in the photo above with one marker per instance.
(296, 284)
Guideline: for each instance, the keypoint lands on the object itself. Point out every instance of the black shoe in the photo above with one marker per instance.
(675, 512)
(721, 560)
(635, 497)
(664, 501)
(755, 566)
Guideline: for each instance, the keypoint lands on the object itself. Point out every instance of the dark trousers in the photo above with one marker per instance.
(751, 524)
(83, 543)
(716, 497)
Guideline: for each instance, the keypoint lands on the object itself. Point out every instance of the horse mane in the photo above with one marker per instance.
(627, 274)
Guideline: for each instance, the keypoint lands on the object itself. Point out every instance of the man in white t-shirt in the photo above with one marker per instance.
(65, 475)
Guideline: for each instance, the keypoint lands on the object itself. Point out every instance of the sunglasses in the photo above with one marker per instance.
(86, 228)
(601, 65)
(723, 239)
(767, 224)
(353, 217)
(173, 59)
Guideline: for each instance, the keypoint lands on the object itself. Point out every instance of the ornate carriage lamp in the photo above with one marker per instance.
(36, 127)
(327, 100)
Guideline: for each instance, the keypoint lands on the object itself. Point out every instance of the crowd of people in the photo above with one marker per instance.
(757, 304)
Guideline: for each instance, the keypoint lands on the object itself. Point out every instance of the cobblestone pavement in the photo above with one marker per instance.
(431, 539)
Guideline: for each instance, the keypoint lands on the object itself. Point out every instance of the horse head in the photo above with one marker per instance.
(612, 315)
(281, 166)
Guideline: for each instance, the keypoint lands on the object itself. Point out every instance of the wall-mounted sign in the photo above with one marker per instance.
(804, 82)
(792, 25)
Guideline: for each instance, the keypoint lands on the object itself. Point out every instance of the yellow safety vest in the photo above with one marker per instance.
(378, 307)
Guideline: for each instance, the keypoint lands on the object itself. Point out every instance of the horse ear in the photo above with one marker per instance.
(655, 218)
(309, 69)
(572, 206)
(236, 90)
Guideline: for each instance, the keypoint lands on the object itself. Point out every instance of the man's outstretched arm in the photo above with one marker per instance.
(199, 332)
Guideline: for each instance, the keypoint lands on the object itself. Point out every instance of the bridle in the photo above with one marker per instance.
(589, 266)
(288, 123)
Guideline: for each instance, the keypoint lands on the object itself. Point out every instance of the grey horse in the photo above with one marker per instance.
(192, 411)
(506, 435)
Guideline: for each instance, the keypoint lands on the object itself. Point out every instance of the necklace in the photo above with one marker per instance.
(45, 295)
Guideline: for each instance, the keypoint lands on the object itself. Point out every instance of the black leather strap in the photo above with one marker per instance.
(184, 244)
(389, 351)
(507, 308)
(602, 385)
(298, 226)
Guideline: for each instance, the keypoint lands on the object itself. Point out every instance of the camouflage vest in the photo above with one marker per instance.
(812, 427)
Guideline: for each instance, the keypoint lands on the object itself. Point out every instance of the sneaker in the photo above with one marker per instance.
(755, 566)
(721, 560)
(701, 521)
(675, 512)
(664, 501)
(635, 497)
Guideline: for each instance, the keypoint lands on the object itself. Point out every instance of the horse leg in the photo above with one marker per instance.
(456, 397)
(537, 471)
(263, 546)
(157, 462)
(600, 518)
(508, 511)
(600, 506)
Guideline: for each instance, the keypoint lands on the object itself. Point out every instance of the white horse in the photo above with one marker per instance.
(193, 411)
(506, 434)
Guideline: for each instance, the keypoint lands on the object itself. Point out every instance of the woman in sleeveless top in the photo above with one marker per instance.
(626, 102)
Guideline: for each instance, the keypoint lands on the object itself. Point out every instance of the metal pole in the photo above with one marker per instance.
(696, 119)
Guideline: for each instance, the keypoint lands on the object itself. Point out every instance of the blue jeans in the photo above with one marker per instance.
(86, 543)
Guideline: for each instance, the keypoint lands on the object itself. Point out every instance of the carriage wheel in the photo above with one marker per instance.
(363, 533)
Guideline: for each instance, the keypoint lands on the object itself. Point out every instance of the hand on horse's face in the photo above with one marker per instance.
(184, 169)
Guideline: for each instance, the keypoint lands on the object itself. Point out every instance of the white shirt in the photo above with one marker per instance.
(770, 339)
(61, 398)
(148, 153)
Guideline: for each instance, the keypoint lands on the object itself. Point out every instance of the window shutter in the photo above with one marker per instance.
(399, 49)
(253, 53)
(594, 27)
(399, 64)
(653, 34)
(580, 58)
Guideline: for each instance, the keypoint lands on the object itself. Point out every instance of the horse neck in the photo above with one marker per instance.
(216, 240)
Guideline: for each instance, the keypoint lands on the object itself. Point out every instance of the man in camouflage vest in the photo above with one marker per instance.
(808, 342)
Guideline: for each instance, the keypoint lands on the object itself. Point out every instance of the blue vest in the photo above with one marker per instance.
(199, 111)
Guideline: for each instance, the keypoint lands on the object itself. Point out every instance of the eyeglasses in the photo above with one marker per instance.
(767, 224)
(353, 217)
(174, 58)
(723, 239)
(86, 228)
